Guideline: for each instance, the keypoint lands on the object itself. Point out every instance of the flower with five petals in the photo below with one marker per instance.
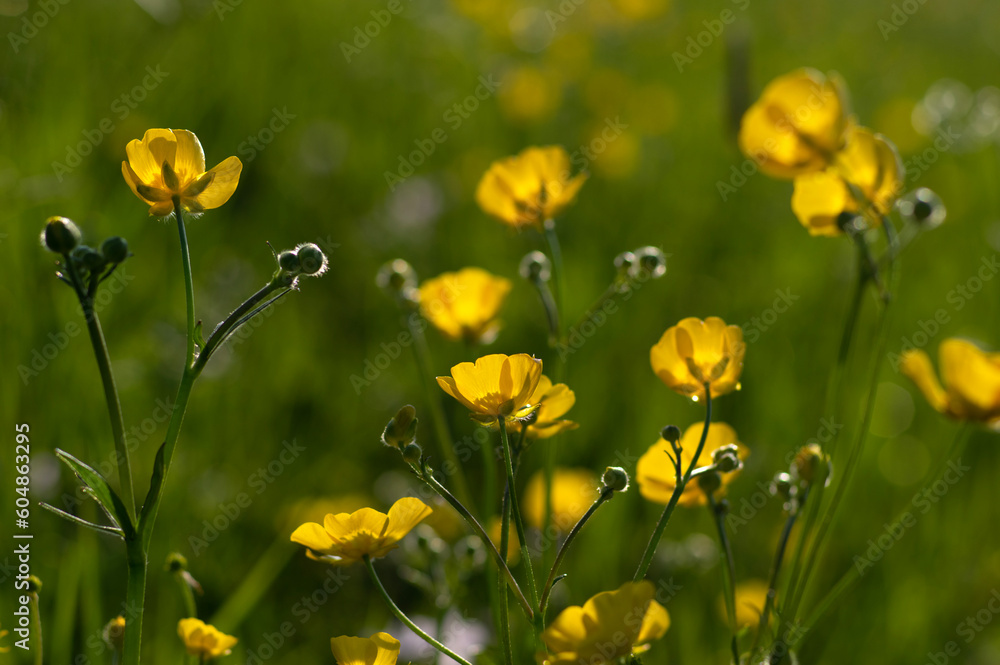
(379, 649)
(971, 381)
(495, 386)
(696, 352)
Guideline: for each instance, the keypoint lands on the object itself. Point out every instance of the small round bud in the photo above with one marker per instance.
(176, 562)
(671, 434)
(114, 634)
(535, 267)
(396, 276)
(288, 261)
(923, 207)
(783, 485)
(709, 482)
(402, 428)
(61, 235)
(114, 249)
(615, 478)
(87, 258)
(34, 584)
(652, 260)
(412, 453)
(625, 261)
(727, 458)
(312, 259)
(851, 223)
(809, 463)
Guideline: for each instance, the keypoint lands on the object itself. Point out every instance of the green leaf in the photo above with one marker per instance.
(101, 491)
(152, 497)
(82, 522)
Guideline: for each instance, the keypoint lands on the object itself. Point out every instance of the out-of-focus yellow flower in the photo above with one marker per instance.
(513, 543)
(553, 402)
(529, 94)
(170, 162)
(345, 538)
(610, 625)
(971, 377)
(530, 187)
(640, 10)
(464, 305)
(379, 649)
(573, 492)
(797, 125)
(696, 352)
(751, 596)
(495, 386)
(655, 471)
(113, 633)
(4, 633)
(870, 164)
(205, 641)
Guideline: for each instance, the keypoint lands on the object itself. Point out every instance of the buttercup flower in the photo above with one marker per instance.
(610, 625)
(573, 492)
(379, 649)
(495, 386)
(696, 352)
(203, 640)
(655, 471)
(751, 596)
(463, 305)
(553, 402)
(870, 164)
(797, 125)
(529, 188)
(170, 162)
(345, 538)
(4, 633)
(971, 377)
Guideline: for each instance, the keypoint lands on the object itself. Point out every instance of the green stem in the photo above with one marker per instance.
(551, 310)
(187, 594)
(222, 331)
(552, 240)
(188, 280)
(406, 620)
(36, 626)
(516, 511)
(729, 575)
(661, 525)
(135, 594)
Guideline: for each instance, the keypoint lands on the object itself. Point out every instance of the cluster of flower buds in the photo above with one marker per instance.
(399, 280)
(922, 207)
(307, 260)
(811, 466)
(641, 265)
(401, 433)
(62, 236)
(535, 267)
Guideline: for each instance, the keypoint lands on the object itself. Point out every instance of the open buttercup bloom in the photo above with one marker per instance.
(529, 188)
(495, 386)
(971, 378)
(866, 178)
(379, 649)
(553, 402)
(170, 162)
(203, 640)
(696, 352)
(655, 470)
(610, 625)
(797, 125)
(573, 493)
(344, 538)
(464, 305)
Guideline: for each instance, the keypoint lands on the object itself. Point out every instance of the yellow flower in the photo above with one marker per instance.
(170, 162)
(751, 596)
(870, 164)
(573, 492)
(797, 125)
(463, 305)
(553, 402)
(496, 386)
(379, 649)
(345, 538)
(655, 471)
(203, 640)
(971, 377)
(610, 625)
(529, 188)
(696, 352)
(4, 633)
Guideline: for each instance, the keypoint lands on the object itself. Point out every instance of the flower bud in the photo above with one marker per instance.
(176, 562)
(312, 259)
(671, 434)
(809, 463)
(535, 267)
(114, 634)
(402, 428)
(87, 258)
(783, 485)
(396, 276)
(288, 261)
(727, 458)
(710, 482)
(61, 235)
(624, 262)
(114, 249)
(923, 207)
(34, 584)
(412, 453)
(615, 478)
(650, 259)
(850, 223)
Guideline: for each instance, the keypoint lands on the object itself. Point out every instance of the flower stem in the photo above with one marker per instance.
(552, 240)
(36, 625)
(729, 575)
(222, 331)
(135, 593)
(406, 620)
(188, 280)
(516, 512)
(661, 525)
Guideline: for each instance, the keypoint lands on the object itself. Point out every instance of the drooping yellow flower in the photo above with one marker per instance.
(553, 402)
(464, 305)
(866, 178)
(610, 625)
(379, 649)
(751, 595)
(170, 162)
(495, 386)
(655, 471)
(696, 352)
(573, 492)
(971, 381)
(797, 125)
(529, 188)
(344, 538)
(205, 641)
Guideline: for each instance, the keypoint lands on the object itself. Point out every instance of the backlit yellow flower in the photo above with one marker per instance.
(553, 402)
(971, 377)
(573, 492)
(203, 640)
(529, 188)
(797, 125)
(655, 471)
(750, 598)
(170, 162)
(495, 386)
(696, 352)
(866, 178)
(379, 649)
(464, 305)
(345, 538)
(610, 625)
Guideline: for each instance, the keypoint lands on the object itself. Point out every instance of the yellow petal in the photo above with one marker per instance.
(313, 536)
(917, 366)
(162, 147)
(388, 649)
(404, 515)
(189, 160)
(343, 526)
(670, 366)
(133, 181)
(142, 160)
(817, 201)
(227, 177)
(449, 385)
(972, 378)
(654, 624)
(354, 650)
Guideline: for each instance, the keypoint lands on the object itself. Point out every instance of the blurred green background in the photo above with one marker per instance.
(317, 130)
